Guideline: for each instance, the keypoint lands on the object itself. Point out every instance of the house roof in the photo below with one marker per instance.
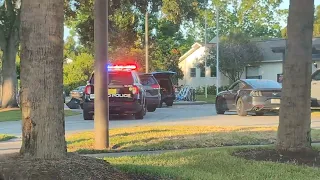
(194, 47)
(271, 48)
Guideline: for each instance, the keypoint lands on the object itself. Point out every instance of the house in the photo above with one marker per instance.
(273, 51)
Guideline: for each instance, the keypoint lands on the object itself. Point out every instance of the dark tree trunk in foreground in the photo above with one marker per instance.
(294, 133)
(43, 133)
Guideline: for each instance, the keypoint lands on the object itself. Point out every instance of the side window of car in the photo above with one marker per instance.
(316, 76)
(234, 87)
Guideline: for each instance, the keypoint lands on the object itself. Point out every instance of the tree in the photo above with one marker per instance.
(78, 72)
(43, 133)
(259, 18)
(294, 132)
(236, 51)
(316, 25)
(9, 42)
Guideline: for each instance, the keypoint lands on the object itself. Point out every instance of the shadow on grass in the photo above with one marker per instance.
(141, 132)
(200, 140)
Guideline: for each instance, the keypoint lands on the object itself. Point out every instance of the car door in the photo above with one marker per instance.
(315, 88)
(231, 96)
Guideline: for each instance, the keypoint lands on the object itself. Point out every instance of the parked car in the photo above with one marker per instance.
(126, 93)
(167, 89)
(315, 89)
(250, 95)
(152, 88)
(78, 92)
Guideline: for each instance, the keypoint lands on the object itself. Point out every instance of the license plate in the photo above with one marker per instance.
(275, 101)
(110, 91)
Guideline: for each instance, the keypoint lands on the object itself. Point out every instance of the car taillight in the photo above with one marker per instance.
(135, 90)
(88, 89)
(155, 86)
(255, 93)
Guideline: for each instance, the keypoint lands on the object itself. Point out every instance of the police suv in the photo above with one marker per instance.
(126, 93)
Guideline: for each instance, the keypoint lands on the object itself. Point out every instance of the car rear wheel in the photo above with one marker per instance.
(141, 113)
(219, 106)
(241, 108)
(169, 103)
(87, 116)
(152, 108)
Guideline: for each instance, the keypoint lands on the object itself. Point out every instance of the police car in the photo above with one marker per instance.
(126, 93)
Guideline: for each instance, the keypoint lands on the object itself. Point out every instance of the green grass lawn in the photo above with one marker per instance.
(5, 137)
(211, 98)
(176, 137)
(211, 164)
(15, 114)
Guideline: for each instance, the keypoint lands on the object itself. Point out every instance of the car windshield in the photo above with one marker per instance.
(264, 84)
(118, 78)
(147, 80)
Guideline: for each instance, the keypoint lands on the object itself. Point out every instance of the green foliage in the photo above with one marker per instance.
(256, 18)
(211, 90)
(78, 72)
(316, 25)
(236, 51)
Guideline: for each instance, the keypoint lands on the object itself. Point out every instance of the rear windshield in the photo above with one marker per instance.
(264, 84)
(148, 80)
(118, 78)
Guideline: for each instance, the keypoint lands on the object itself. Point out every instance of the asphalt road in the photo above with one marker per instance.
(198, 115)
(176, 115)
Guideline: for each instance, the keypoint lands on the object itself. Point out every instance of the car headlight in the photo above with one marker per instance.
(256, 93)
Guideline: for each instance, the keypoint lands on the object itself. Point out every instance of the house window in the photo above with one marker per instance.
(192, 72)
(213, 71)
(254, 77)
(202, 72)
(279, 78)
(252, 72)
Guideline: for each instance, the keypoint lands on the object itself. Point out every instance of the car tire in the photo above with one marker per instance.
(241, 108)
(169, 103)
(87, 115)
(151, 108)
(258, 113)
(160, 104)
(219, 106)
(140, 114)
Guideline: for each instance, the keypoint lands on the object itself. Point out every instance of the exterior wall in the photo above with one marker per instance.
(270, 70)
(191, 62)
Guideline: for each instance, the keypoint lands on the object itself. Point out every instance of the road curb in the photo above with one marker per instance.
(190, 103)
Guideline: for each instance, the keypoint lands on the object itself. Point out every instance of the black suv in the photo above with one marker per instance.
(126, 95)
(167, 89)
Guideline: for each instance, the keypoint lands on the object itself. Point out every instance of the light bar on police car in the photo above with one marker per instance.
(122, 67)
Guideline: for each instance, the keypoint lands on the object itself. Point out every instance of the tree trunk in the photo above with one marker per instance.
(295, 114)
(43, 132)
(9, 74)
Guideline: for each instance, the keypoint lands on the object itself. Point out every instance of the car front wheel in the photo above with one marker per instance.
(219, 106)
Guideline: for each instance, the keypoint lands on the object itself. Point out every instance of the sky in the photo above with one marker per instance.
(284, 5)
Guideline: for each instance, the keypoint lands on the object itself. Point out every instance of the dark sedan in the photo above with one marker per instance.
(250, 95)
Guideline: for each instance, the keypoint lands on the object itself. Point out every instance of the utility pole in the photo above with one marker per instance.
(101, 102)
(147, 39)
(217, 68)
(205, 50)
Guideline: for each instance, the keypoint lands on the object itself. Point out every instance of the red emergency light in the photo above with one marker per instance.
(123, 67)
